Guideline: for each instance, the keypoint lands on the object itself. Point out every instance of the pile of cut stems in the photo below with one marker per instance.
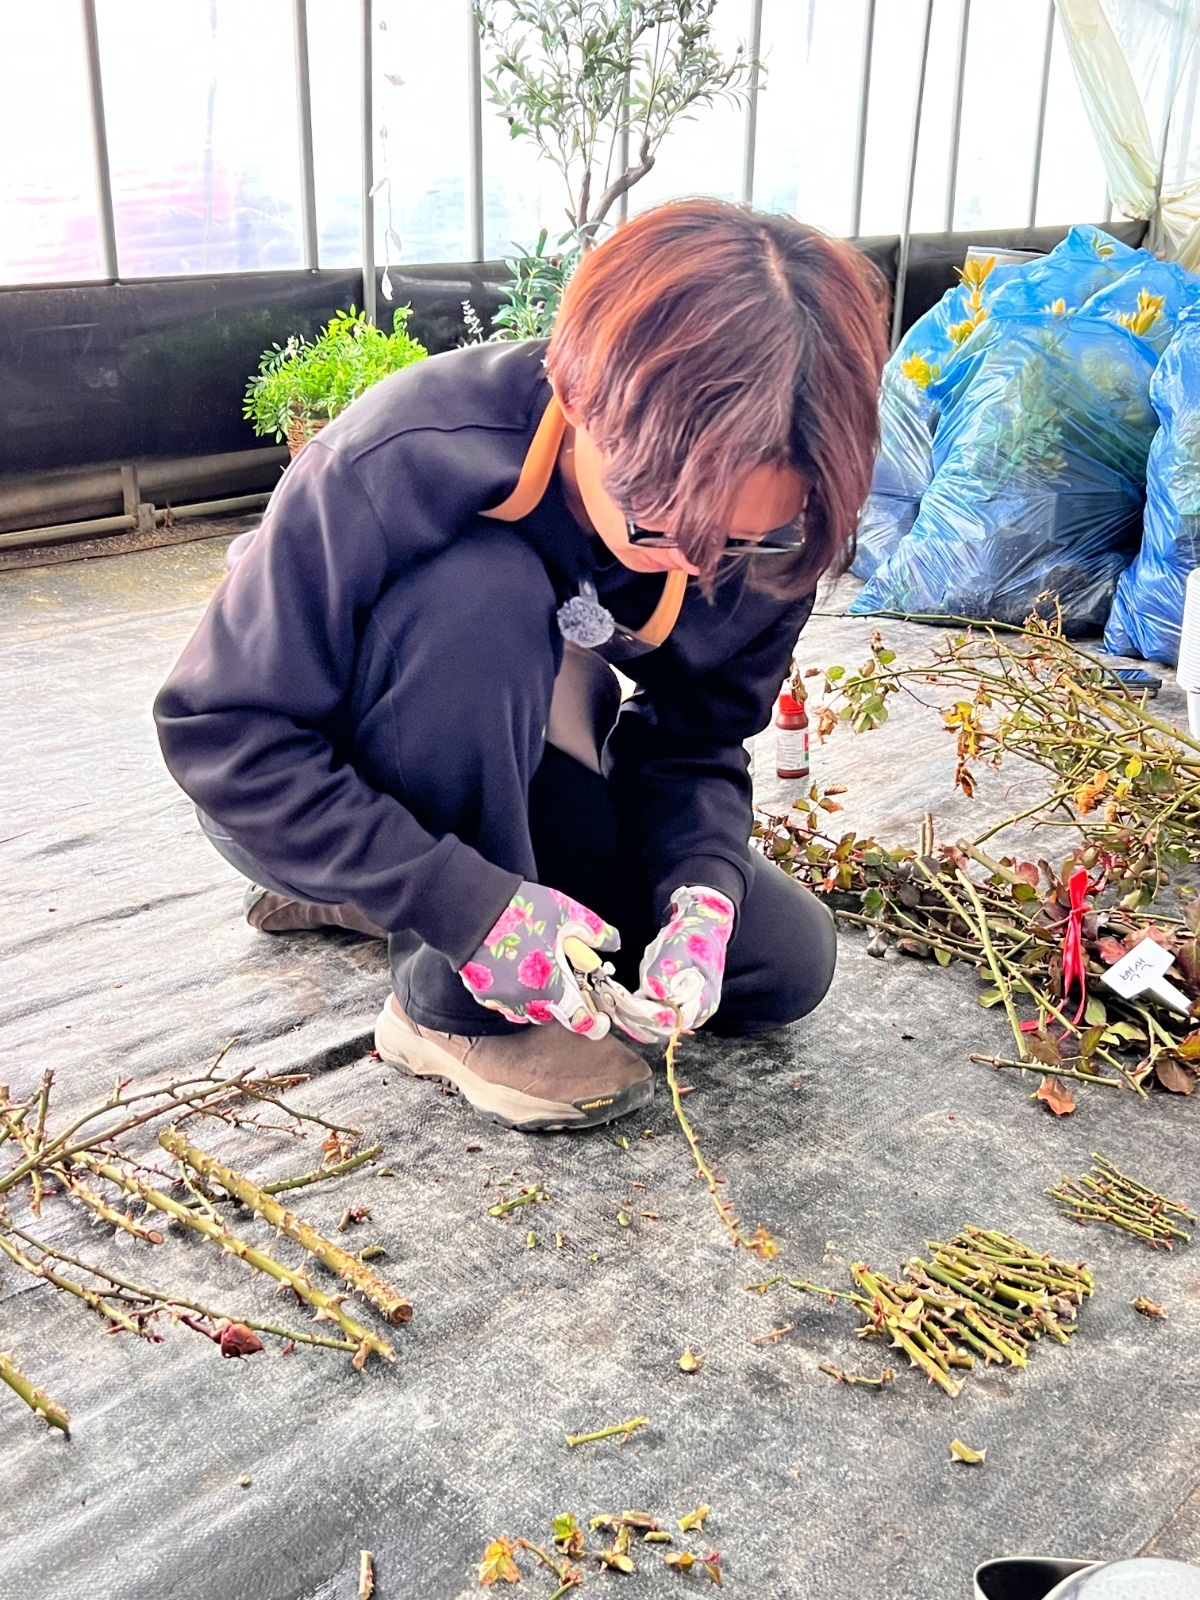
(981, 1295)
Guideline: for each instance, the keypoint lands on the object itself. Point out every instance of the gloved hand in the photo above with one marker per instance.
(520, 969)
(685, 964)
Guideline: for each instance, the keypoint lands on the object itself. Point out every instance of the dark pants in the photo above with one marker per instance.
(473, 682)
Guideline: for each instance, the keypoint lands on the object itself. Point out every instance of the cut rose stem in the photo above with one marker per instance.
(1056, 1072)
(36, 1399)
(170, 1303)
(338, 1170)
(760, 1242)
(329, 1307)
(75, 1186)
(618, 1430)
(388, 1301)
(96, 1302)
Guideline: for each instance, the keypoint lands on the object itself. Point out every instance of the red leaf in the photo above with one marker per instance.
(1056, 1095)
(1028, 873)
(236, 1339)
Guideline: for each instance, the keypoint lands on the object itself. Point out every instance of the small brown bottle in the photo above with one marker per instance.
(791, 738)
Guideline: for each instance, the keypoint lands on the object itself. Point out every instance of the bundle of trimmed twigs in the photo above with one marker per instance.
(1120, 775)
(980, 1295)
(1108, 1195)
(1012, 921)
(88, 1162)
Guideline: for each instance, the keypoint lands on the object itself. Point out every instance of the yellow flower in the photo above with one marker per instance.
(1059, 307)
(1149, 309)
(975, 272)
(919, 370)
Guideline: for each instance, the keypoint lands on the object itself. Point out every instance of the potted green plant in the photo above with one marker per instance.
(303, 384)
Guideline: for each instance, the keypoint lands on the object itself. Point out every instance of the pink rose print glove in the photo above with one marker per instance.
(686, 963)
(520, 970)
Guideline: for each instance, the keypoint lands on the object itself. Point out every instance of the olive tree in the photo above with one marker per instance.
(573, 75)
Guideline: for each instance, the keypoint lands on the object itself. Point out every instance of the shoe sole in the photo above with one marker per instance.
(425, 1058)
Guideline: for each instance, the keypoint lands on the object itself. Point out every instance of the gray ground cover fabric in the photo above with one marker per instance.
(858, 1133)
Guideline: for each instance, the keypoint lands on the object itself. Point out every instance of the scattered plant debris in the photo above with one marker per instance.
(621, 1430)
(963, 1452)
(858, 1379)
(571, 1556)
(1147, 1307)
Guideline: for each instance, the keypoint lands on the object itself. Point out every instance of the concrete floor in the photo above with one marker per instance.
(858, 1133)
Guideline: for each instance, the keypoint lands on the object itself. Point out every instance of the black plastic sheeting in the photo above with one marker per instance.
(858, 1133)
(130, 371)
(158, 368)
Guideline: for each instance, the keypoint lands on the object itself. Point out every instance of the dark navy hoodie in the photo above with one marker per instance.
(252, 721)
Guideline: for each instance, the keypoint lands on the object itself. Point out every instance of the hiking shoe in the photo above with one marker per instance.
(543, 1079)
(271, 912)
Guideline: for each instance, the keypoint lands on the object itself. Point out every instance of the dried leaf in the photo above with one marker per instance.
(762, 1244)
(690, 1362)
(497, 1565)
(1147, 1307)
(694, 1519)
(236, 1339)
(963, 1452)
(713, 1568)
(1111, 951)
(1043, 1048)
(1056, 1095)
(359, 1359)
(1188, 1048)
(1028, 872)
(681, 1560)
(1173, 1076)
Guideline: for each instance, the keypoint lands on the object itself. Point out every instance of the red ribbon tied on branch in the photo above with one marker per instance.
(1073, 968)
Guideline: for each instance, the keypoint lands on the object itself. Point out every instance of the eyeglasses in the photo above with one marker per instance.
(778, 542)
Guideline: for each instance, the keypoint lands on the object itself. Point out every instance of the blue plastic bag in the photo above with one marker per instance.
(1039, 473)
(1147, 612)
(945, 342)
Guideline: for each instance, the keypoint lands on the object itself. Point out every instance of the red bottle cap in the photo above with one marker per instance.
(789, 706)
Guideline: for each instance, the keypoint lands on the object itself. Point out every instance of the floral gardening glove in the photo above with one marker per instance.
(520, 969)
(686, 963)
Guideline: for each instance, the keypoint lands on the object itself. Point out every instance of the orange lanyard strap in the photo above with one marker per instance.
(531, 485)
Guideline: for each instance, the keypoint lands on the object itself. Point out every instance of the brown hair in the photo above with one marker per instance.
(703, 339)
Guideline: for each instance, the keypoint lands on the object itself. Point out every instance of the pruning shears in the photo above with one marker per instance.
(636, 1015)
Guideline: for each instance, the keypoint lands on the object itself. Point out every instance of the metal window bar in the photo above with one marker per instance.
(960, 78)
(910, 182)
(370, 303)
(104, 198)
(1043, 99)
(474, 138)
(308, 186)
(864, 106)
(751, 133)
(623, 152)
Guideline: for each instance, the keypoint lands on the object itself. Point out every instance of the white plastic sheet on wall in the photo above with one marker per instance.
(1138, 65)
